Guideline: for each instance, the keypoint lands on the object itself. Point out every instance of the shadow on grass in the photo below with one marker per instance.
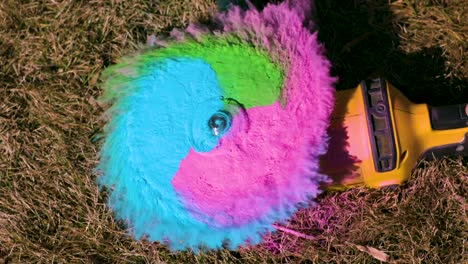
(361, 38)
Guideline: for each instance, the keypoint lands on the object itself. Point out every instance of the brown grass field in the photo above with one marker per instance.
(51, 54)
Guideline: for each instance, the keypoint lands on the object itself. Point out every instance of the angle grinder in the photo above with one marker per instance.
(377, 136)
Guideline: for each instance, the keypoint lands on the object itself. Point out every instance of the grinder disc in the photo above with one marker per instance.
(215, 136)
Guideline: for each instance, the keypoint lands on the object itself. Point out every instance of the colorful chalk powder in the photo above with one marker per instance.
(214, 137)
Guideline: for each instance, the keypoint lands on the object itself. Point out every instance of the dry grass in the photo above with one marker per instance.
(51, 53)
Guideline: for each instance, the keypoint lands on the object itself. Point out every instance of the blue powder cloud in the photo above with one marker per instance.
(147, 140)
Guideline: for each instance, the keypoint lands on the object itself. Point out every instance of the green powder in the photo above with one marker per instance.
(244, 73)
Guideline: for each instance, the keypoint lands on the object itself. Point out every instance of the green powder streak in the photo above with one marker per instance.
(244, 73)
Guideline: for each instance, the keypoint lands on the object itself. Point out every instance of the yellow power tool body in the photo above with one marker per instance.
(377, 136)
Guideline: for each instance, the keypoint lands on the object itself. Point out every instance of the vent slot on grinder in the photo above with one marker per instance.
(379, 124)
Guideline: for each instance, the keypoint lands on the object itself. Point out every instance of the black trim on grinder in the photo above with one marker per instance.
(456, 149)
(449, 116)
(379, 124)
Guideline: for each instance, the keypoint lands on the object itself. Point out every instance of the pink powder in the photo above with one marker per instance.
(273, 165)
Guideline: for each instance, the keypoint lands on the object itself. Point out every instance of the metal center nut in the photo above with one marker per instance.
(219, 123)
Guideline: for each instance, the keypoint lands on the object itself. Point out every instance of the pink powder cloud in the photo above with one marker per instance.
(263, 172)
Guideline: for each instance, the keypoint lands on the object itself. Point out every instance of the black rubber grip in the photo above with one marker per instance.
(449, 117)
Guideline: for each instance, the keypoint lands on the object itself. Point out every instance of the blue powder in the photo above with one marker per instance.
(152, 130)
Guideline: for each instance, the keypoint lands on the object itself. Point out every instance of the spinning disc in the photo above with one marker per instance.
(213, 138)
